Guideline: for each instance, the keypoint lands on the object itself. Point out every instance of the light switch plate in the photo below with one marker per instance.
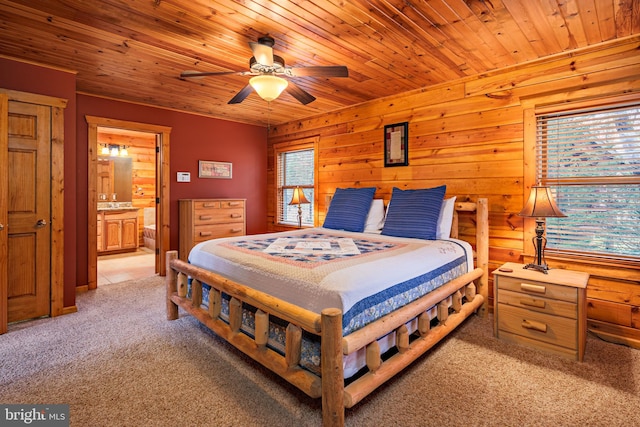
(184, 177)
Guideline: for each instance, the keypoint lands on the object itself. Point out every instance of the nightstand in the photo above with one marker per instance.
(545, 311)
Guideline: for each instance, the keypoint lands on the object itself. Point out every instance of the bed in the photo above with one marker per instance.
(336, 346)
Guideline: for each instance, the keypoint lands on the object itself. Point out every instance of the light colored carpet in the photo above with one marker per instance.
(118, 362)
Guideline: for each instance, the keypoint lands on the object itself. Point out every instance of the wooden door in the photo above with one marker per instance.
(28, 211)
(4, 197)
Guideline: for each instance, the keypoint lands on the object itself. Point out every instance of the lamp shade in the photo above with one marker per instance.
(541, 204)
(268, 87)
(298, 197)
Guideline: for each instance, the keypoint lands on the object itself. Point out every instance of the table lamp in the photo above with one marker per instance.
(299, 199)
(540, 206)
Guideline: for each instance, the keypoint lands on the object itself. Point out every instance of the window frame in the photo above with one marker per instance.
(530, 176)
(291, 146)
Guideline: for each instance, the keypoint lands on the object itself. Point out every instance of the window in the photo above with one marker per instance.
(591, 160)
(295, 168)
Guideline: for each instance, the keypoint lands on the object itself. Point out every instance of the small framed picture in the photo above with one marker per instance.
(210, 169)
(396, 144)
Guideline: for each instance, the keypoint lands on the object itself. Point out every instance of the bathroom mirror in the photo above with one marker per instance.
(115, 177)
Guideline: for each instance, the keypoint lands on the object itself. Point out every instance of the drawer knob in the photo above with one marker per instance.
(539, 289)
(236, 230)
(536, 326)
(205, 233)
(236, 215)
(205, 217)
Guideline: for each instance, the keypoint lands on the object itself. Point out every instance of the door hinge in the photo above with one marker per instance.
(157, 251)
(157, 200)
(157, 149)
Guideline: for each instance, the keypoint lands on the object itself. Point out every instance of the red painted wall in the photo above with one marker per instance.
(193, 138)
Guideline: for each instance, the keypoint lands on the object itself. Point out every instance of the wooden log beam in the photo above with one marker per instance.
(293, 345)
(196, 293)
(171, 281)
(286, 311)
(373, 331)
(332, 370)
(361, 387)
(306, 381)
(262, 328)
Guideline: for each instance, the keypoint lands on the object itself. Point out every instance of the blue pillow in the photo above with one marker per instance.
(414, 213)
(349, 208)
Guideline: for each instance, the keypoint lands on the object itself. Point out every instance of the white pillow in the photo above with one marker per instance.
(375, 217)
(443, 230)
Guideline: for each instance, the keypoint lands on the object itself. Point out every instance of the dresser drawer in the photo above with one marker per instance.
(543, 327)
(538, 289)
(218, 215)
(536, 303)
(214, 231)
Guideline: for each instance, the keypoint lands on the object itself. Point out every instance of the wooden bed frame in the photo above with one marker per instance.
(451, 309)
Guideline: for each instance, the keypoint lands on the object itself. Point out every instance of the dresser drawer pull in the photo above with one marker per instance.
(533, 303)
(209, 205)
(536, 326)
(236, 230)
(205, 217)
(539, 289)
(233, 204)
(205, 233)
(236, 215)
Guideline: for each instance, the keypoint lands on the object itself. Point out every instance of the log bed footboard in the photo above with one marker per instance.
(452, 303)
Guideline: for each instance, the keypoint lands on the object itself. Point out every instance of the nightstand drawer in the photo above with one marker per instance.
(539, 289)
(536, 303)
(551, 329)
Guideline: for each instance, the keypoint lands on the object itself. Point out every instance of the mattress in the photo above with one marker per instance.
(365, 275)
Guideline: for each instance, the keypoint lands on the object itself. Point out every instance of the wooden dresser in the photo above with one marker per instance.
(205, 219)
(546, 311)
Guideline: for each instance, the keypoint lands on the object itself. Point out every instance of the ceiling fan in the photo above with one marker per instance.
(265, 67)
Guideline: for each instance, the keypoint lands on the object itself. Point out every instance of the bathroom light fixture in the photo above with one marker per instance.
(114, 150)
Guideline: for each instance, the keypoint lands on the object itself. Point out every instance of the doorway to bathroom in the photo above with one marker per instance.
(128, 213)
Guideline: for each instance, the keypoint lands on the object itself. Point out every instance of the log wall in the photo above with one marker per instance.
(468, 134)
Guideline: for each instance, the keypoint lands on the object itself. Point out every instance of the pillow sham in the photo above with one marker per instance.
(375, 217)
(414, 213)
(349, 208)
(445, 219)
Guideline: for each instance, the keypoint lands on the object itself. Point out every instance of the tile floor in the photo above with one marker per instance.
(120, 267)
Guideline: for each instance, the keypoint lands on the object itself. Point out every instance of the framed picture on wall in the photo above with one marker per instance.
(211, 169)
(396, 144)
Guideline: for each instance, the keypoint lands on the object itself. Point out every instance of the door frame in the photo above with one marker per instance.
(163, 134)
(57, 106)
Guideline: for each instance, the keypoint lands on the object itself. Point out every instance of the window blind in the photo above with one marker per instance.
(295, 169)
(591, 160)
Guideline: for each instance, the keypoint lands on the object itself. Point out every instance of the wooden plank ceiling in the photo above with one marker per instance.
(135, 50)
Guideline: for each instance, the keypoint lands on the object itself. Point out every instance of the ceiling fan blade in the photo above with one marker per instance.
(320, 71)
(300, 94)
(187, 74)
(262, 53)
(240, 96)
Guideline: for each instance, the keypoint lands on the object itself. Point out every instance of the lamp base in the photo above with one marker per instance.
(544, 268)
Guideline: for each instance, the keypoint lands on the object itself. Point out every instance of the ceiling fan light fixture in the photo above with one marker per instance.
(268, 87)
